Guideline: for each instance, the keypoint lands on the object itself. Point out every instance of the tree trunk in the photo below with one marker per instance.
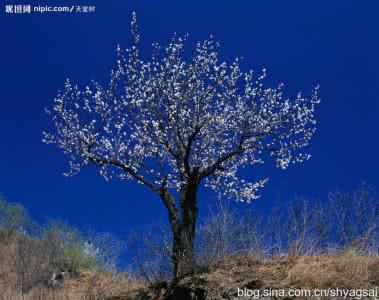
(183, 253)
(184, 236)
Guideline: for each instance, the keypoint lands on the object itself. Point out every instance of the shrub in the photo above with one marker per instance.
(152, 252)
(13, 217)
(67, 249)
(77, 258)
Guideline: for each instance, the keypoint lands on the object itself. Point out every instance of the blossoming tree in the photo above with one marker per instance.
(178, 121)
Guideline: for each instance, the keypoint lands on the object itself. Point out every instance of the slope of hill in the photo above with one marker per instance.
(241, 277)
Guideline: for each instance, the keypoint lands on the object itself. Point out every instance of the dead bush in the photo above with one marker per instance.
(224, 233)
(152, 251)
(31, 263)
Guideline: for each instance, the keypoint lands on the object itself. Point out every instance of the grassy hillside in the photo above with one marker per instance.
(300, 244)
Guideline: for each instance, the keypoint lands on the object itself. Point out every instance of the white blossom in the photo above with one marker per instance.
(158, 120)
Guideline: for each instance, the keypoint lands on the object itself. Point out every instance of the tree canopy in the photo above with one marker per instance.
(159, 120)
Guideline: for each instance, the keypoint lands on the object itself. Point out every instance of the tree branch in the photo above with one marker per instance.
(102, 161)
(187, 154)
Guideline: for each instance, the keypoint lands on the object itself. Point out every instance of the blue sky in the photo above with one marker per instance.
(333, 43)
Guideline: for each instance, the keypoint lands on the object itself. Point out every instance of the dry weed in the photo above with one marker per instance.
(346, 270)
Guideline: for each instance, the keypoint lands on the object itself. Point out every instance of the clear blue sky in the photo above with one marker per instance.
(334, 43)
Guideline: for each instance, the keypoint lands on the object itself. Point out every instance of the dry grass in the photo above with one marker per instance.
(347, 270)
(87, 286)
(99, 285)
(344, 270)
